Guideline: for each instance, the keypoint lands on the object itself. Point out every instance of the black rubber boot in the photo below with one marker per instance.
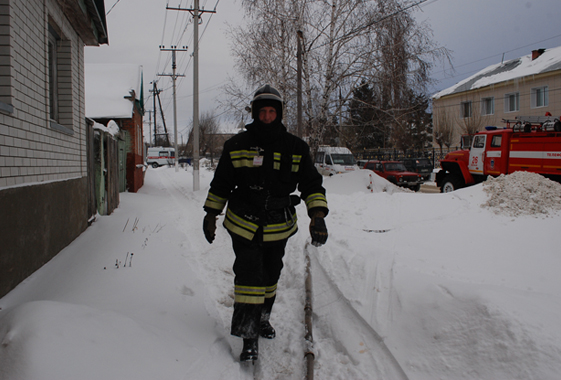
(250, 351)
(266, 330)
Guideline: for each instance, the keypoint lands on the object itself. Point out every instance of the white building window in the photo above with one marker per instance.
(488, 106)
(512, 102)
(54, 42)
(59, 75)
(465, 109)
(539, 97)
(6, 55)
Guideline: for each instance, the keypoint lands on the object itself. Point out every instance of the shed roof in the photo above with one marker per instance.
(549, 60)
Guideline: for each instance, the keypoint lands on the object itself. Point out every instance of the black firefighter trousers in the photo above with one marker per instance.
(257, 270)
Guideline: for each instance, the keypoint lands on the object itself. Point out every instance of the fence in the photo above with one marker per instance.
(391, 154)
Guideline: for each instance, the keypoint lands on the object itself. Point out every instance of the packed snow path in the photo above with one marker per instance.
(336, 320)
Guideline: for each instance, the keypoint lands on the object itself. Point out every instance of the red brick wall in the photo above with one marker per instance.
(135, 175)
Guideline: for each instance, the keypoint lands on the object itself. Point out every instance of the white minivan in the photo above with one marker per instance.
(335, 160)
(159, 156)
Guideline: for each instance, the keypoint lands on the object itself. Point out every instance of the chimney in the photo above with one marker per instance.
(536, 53)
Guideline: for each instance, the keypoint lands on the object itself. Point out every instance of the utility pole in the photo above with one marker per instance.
(196, 19)
(150, 125)
(156, 92)
(174, 77)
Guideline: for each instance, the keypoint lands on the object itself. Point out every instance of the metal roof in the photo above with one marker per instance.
(549, 60)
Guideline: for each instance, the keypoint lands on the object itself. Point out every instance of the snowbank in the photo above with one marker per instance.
(522, 193)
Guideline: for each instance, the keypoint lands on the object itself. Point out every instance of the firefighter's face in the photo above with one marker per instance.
(267, 114)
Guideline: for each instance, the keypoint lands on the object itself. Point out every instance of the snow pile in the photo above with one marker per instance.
(522, 193)
(360, 181)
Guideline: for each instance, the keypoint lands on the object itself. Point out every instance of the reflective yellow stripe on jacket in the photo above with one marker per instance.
(296, 162)
(271, 291)
(276, 161)
(240, 226)
(316, 200)
(243, 158)
(247, 229)
(274, 232)
(215, 202)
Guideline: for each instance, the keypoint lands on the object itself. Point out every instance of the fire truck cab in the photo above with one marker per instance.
(526, 144)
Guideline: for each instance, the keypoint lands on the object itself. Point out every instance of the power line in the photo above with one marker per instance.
(185, 61)
(112, 7)
(508, 51)
(491, 56)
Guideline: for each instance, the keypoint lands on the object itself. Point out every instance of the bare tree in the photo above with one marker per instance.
(208, 130)
(443, 127)
(342, 42)
(470, 120)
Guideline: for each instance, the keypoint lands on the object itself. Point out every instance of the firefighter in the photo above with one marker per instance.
(257, 174)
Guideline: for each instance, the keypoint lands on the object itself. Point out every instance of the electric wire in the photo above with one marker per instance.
(112, 7)
(183, 65)
(489, 57)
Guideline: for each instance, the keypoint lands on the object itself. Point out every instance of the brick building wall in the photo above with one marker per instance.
(32, 148)
(43, 149)
(135, 157)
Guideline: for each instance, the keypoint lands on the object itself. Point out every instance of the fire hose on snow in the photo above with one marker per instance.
(309, 354)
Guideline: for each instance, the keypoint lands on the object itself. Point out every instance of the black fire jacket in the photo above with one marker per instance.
(255, 176)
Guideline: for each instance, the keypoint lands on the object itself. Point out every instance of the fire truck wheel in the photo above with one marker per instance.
(450, 183)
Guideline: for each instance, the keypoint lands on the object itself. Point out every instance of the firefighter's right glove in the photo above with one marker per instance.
(209, 226)
(318, 230)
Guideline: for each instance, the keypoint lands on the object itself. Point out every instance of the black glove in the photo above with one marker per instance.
(278, 203)
(209, 226)
(318, 231)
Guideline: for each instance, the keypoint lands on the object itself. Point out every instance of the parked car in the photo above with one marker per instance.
(422, 166)
(334, 160)
(396, 173)
(361, 163)
(184, 161)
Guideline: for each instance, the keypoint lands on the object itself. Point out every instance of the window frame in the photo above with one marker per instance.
(496, 141)
(479, 142)
(60, 111)
(466, 106)
(507, 102)
(53, 40)
(490, 100)
(544, 91)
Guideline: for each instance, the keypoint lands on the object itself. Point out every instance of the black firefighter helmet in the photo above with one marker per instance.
(266, 96)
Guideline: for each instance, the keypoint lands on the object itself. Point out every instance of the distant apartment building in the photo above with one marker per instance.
(525, 86)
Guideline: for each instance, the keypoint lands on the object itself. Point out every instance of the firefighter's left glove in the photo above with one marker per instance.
(209, 226)
(318, 230)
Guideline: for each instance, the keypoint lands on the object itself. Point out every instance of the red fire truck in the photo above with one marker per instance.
(530, 143)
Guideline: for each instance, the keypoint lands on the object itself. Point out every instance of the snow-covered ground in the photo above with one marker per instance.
(463, 285)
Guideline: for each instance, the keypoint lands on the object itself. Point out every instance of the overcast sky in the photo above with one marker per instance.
(477, 32)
